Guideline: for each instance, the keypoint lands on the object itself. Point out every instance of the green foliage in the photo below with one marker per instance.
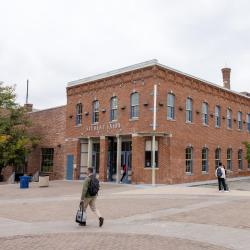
(247, 144)
(15, 140)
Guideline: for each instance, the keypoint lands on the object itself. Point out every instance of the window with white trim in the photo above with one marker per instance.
(229, 118)
(240, 157)
(113, 108)
(78, 113)
(204, 155)
(95, 112)
(217, 116)
(217, 157)
(248, 122)
(171, 106)
(189, 160)
(189, 110)
(240, 125)
(205, 113)
(134, 105)
(229, 159)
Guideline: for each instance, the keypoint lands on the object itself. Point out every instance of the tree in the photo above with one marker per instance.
(15, 140)
(247, 144)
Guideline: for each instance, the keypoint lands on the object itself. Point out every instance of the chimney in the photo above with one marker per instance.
(226, 77)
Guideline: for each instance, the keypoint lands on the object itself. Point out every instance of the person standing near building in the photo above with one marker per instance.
(221, 175)
(124, 167)
(89, 195)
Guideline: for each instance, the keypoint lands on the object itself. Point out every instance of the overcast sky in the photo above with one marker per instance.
(52, 42)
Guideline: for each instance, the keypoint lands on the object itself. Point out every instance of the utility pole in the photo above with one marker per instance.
(153, 137)
(27, 91)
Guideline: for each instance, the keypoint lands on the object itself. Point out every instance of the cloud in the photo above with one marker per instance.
(53, 42)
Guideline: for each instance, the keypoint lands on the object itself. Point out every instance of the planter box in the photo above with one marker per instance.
(43, 181)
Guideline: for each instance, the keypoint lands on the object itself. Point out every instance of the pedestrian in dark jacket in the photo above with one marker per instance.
(87, 199)
(221, 175)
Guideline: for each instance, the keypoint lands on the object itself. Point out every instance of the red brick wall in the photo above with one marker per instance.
(49, 124)
(181, 134)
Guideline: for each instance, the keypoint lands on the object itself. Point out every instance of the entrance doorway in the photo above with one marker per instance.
(126, 158)
(96, 158)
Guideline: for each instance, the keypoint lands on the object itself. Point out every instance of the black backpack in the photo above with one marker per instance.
(219, 172)
(94, 186)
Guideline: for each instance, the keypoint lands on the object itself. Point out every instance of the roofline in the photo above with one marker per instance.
(41, 110)
(137, 66)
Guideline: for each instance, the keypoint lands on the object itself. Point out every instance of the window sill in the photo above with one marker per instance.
(113, 121)
(239, 130)
(134, 119)
(149, 168)
(204, 172)
(78, 125)
(230, 129)
(205, 125)
(217, 127)
(187, 122)
(189, 174)
(95, 123)
(170, 119)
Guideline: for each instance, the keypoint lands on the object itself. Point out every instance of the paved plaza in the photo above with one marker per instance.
(186, 216)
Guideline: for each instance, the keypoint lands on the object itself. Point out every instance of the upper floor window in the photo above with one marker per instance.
(205, 113)
(134, 105)
(95, 112)
(248, 122)
(47, 159)
(240, 156)
(78, 113)
(229, 118)
(217, 116)
(204, 155)
(171, 106)
(113, 108)
(189, 110)
(229, 159)
(189, 160)
(240, 120)
(217, 157)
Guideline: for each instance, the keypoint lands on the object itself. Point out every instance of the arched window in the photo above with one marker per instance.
(205, 113)
(189, 160)
(240, 156)
(78, 113)
(217, 157)
(171, 106)
(240, 120)
(134, 105)
(189, 110)
(229, 159)
(229, 118)
(204, 156)
(217, 116)
(95, 112)
(113, 108)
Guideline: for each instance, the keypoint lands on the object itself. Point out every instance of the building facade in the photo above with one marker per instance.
(108, 122)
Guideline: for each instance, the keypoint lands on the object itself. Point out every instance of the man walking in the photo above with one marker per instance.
(221, 175)
(89, 194)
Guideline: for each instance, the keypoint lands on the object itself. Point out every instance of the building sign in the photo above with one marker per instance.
(99, 127)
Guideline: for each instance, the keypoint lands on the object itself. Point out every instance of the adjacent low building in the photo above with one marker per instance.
(108, 122)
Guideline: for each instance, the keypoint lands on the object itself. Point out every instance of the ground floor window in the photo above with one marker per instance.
(189, 160)
(229, 159)
(148, 154)
(47, 159)
(204, 160)
(217, 157)
(240, 164)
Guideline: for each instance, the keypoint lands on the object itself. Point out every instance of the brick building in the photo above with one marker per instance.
(108, 122)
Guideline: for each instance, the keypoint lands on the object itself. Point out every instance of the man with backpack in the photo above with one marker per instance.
(221, 175)
(89, 194)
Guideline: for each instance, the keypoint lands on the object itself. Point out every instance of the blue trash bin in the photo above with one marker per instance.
(24, 181)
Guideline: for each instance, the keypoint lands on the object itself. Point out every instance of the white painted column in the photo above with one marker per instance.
(118, 158)
(90, 147)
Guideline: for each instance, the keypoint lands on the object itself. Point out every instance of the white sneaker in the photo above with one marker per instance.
(226, 191)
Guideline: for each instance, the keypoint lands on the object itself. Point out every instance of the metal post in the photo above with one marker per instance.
(153, 137)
